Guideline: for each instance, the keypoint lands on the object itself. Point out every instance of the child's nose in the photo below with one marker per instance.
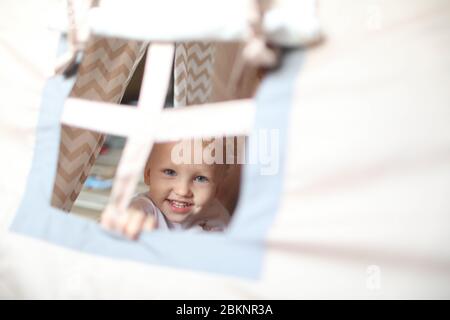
(183, 189)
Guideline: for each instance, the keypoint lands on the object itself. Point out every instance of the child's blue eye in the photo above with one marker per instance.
(201, 179)
(169, 172)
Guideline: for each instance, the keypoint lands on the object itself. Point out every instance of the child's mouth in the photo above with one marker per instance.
(180, 206)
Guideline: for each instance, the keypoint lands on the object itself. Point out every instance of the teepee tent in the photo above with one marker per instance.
(355, 203)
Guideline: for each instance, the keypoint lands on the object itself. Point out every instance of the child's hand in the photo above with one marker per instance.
(129, 223)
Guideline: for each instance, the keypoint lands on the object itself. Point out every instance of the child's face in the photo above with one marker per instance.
(180, 190)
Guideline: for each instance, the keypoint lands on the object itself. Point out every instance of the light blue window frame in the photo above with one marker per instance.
(239, 251)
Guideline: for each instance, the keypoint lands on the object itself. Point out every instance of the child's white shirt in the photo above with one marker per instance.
(215, 218)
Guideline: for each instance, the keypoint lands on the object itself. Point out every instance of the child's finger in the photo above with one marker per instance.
(108, 219)
(121, 221)
(135, 223)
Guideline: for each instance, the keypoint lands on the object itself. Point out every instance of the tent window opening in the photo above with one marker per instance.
(180, 195)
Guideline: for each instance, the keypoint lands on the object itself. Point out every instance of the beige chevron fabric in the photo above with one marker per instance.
(192, 73)
(203, 71)
(103, 76)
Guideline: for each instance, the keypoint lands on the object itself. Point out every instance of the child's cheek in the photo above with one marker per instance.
(208, 196)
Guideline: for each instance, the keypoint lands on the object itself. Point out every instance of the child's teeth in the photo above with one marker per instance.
(179, 204)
